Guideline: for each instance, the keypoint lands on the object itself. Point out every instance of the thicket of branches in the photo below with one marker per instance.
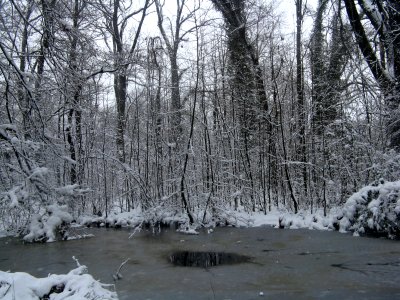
(218, 107)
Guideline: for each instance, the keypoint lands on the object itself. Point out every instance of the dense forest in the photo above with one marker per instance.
(194, 106)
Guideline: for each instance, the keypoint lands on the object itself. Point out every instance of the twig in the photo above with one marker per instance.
(118, 275)
(137, 229)
(76, 260)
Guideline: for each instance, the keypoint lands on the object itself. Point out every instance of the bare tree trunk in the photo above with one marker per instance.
(122, 63)
(74, 114)
(301, 108)
(24, 100)
(247, 85)
(47, 39)
(172, 44)
(285, 157)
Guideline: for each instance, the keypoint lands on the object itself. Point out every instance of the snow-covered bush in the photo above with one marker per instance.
(125, 219)
(44, 227)
(21, 198)
(375, 209)
(74, 285)
(305, 219)
(28, 185)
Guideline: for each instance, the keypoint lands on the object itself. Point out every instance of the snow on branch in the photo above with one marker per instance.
(375, 210)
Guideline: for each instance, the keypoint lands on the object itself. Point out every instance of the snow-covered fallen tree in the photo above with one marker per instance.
(375, 209)
(76, 285)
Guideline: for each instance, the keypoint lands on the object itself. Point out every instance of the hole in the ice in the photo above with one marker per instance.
(206, 259)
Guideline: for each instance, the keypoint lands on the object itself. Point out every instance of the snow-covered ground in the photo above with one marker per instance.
(76, 285)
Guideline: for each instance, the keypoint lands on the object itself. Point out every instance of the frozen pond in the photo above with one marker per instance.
(284, 264)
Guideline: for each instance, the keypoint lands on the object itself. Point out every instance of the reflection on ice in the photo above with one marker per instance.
(206, 259)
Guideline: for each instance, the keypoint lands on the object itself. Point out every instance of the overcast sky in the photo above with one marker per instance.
(286, 7)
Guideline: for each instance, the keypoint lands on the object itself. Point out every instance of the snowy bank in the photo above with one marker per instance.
(76, 285)
(373, 210)
(282, 218)
(304, 219)
(136, 217)
(52, 224)
(44, 227)
(278, 218)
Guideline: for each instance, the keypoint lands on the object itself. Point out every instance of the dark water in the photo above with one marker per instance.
(284, 264)
(206, 259)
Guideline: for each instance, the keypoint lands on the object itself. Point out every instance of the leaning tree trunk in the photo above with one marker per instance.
(386, 21)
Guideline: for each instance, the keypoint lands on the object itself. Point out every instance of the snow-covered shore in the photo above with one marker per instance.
(75, 285)
(373, 210)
